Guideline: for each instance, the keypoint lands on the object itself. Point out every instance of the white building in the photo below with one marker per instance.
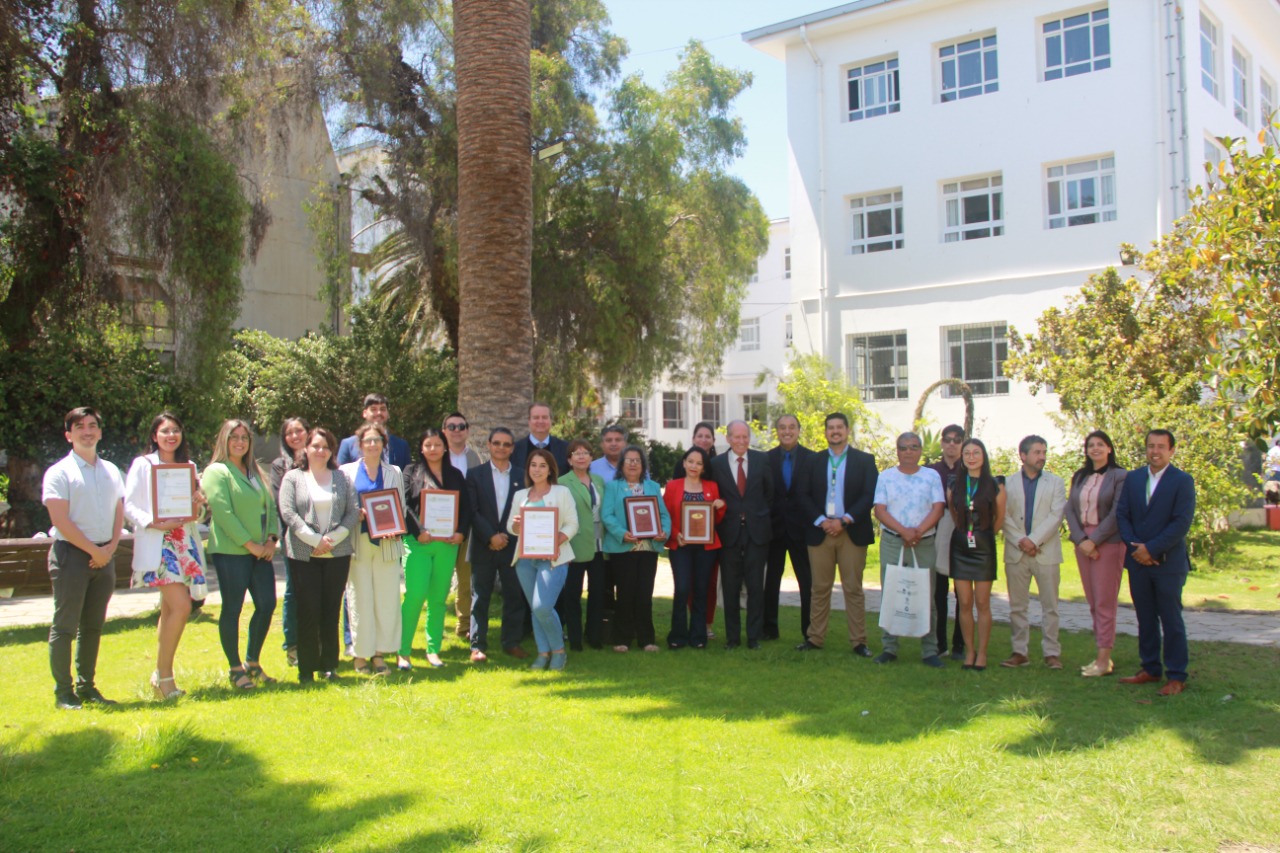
(957, 166)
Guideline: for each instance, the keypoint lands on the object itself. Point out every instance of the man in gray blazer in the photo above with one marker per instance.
(1035, 503)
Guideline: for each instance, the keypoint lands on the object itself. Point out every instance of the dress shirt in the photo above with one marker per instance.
(834, 493)
(93, 490)
(501, 485)
(1029, 491)
(459, 461)
(1153, 481)
(604, 469)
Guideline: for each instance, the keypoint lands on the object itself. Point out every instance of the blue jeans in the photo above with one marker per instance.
(691, 572)
(542, 583)
(238, 574)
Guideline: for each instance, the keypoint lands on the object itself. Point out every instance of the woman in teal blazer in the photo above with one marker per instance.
(634, 561)
(588, 496)
(243, 533)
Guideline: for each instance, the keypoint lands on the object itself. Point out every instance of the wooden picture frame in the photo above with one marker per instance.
(173, 492)
(644, 521)
(384, 513)
(539, 528)
(698, 522)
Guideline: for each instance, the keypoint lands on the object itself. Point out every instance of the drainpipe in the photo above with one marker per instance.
(822, 190)
(1179, 154)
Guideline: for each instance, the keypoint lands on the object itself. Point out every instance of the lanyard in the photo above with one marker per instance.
(971, 489)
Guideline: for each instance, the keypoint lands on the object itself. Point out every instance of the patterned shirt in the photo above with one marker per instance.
(909, 498)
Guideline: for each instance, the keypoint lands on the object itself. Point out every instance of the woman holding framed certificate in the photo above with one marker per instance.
(438, 516)
(695, 507)
(162, 502)
(320, 511)
(375, 569)
(704, 436)
(545, 518)
(588, 495)
(243, 532)
(636, 524)
(294, 433)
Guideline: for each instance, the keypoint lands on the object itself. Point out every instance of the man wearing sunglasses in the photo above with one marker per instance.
(491, 487)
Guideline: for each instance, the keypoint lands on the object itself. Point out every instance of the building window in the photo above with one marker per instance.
(1082, 193)
(873, 89)
(878, 365)
(974, 209)
(755, 408)
(968, 68)
(877, 222)
(976, 354)
(1209, 55)
(633, 410)
(673, 416)
(1213, 153)
(755, 273)
(1077, 44)
(1266, 101)
(787, 333)
(786, 262)
(749, 334)
(713, 409)
(1240, 85)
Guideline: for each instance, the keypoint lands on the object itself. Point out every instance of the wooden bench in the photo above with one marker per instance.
(24, 565)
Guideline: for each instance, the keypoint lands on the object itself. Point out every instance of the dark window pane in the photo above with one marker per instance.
(977, 208)
(879, 223)
(970, 69)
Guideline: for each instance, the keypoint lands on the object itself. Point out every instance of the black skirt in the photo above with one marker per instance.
(977, 563)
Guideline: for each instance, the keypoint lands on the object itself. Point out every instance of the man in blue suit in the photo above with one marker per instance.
(540, 437)
(1154, 513)
(376, 411)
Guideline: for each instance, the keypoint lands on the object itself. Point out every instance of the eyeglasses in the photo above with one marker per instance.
(373, 439)
(501, 444)
(909, 447)
(457, 427)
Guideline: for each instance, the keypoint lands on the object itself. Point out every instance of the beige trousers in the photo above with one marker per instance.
(837, 551)
(373, 588)
(1019, 577)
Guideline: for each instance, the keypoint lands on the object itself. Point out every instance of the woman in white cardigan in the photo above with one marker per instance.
(374, 584)
(542, 580)
(166, 554)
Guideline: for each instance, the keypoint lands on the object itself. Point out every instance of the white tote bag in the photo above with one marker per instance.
(905, 599)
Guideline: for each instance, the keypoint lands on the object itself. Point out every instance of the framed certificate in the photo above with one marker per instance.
(438, 512)
(173, 492)
(538, 528)
(697, 522)
(383, 513)
(643, 520)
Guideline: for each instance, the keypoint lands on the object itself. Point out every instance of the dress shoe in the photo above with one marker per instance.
(807, 646)
(90, 696)
(885, 657)
(1053, 662)
(517, 652)
(862, 651)
(730, 646)
(753, 645)
(1015, 660)
(933, 661)
(478, 656)
(957, 654)
(67, 702)
(769, 635)
(1173, 688)
(1143, 677)
(1093, 671)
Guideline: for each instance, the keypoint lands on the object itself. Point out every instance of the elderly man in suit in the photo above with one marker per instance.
(746, 486)
(1035, 503)
(836, 491)
(491, 487)
(789, 525)
(1157, 505)
(540, 437)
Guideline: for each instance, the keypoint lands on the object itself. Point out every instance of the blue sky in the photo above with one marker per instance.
(655, 31)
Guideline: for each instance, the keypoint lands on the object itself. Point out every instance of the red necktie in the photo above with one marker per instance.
(742, 478)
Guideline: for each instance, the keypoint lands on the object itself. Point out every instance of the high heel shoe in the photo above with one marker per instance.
(164, 695)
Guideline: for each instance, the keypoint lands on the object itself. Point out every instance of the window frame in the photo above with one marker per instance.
(859, 78)
(862, 355)
(749, 410)
(786, 262)
(749, 343)
(963, 231)
(1266, 100)
(1210, 77)
(632, 409)
(861, 206)
(1104, 172)
(1097, 21)
(788, 332)
(987, 50)
(1240, 83)
(998, 382)
(717, 401)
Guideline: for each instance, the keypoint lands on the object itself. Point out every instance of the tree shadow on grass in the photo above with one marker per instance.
(172, 788)
(26, 634)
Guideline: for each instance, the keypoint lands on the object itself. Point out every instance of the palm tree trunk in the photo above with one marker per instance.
(495, 212)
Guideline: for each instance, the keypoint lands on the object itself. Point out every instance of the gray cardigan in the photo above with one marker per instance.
(1108, 500)
(301, 518)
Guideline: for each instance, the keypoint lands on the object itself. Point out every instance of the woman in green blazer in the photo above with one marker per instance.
(243, 533)
(588, 495)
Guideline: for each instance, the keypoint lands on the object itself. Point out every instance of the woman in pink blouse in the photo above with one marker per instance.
(1091, 518)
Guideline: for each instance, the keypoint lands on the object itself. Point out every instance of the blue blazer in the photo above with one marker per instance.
(613, 515)
(1161, 525)
(397, 451)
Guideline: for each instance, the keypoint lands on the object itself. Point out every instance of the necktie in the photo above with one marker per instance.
(742, 478)
(786, 469)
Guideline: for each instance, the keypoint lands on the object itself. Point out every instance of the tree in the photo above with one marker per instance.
(811, 389)
(495, 210)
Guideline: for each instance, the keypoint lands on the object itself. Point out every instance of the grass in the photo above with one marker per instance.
(717, 750)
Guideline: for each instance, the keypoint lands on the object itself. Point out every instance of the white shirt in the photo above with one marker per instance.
(733, 465)
(1273, 459)
(501, 485)
(1153, 481)
(93, 489)
(459, 461)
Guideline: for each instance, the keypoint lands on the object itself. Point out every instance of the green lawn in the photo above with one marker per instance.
(769, 750)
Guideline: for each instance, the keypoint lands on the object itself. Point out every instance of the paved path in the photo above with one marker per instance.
(1256, 629)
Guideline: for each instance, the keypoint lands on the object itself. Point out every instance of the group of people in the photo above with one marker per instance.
(819, 508)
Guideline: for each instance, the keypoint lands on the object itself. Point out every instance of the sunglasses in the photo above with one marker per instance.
(457, 427)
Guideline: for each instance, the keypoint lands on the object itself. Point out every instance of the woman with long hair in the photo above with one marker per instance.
(429, 562)
(704, 436)
(977, 503)
(691, 564)
(320, 512)
(166, 554)
(1091, 520)
(634, 561)
(243, 534)
(374, 581)
(543, 578)
(293, 439)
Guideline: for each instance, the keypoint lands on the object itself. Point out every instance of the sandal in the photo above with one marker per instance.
(161, 693)
(241, 680)
(253, 670)
(404, 664)
(651, 648)
(362, 666)
(379, 665)
(621, 649)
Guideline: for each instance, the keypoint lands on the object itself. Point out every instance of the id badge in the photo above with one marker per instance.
(973, 540)
(831, 509)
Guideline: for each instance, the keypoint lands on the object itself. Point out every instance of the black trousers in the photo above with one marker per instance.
(940, 607)
(779, 548)
(318, 586)
(80, 598)
(742, 562)
(633, 572)
(569, 604)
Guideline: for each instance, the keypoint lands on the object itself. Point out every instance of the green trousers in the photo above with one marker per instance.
(428, 573)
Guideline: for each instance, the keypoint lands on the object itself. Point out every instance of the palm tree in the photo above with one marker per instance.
(495, 211)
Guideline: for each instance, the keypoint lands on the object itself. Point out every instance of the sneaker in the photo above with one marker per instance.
(933, 661)
(885, 657)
